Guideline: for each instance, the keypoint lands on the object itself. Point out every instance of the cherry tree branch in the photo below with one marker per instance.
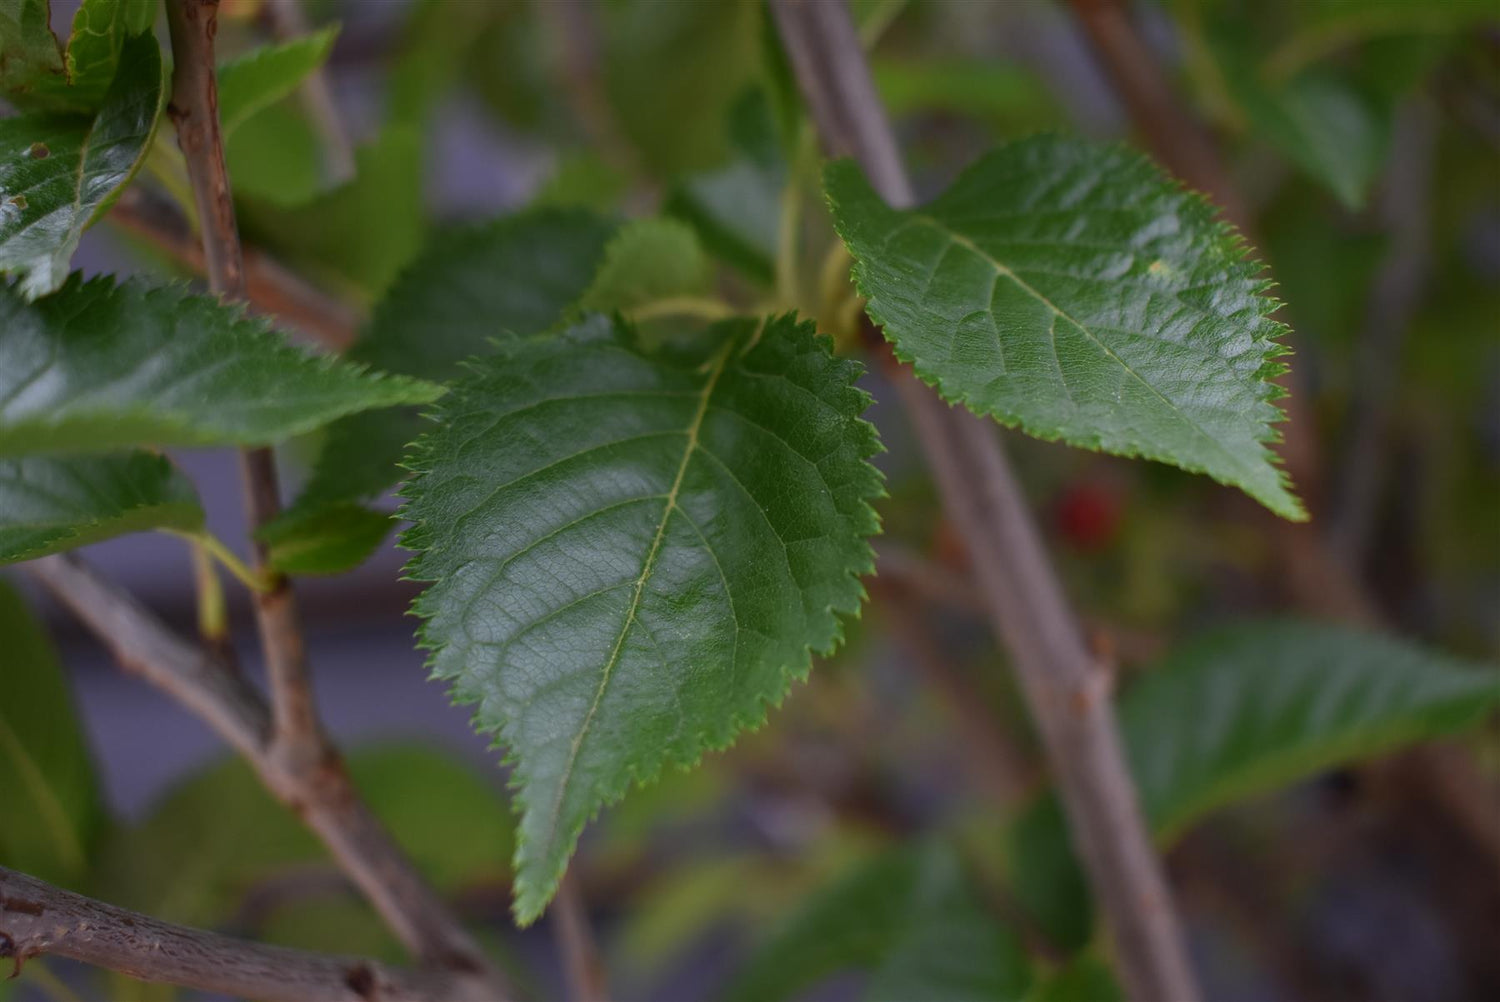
(321, 792)
(1067, 691)
(37, 918)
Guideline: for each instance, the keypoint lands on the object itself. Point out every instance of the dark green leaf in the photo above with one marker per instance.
(260, 78)
(52, 504)
(911, 920)
(1085, 978)
(29, 52)
(96, 366)
(94, 55)
(51, 800)
(59, 172)
(634, 553)
(736, 211)
(513, 276)
(1250, 709)
(1078, 293)
(325, 540)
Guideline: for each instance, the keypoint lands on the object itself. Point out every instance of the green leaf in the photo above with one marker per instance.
(49, 504)
(910, 919)
(219, 834)
(59, 172)
(517, 275)
(97, 366)
(1078, 293)
(633, 553)
(360, 234)
(324, 540)
(95, 53)
(29, 52)
(1249, 709)
(1085, 978)
(52, 808)
(259, 79)
(647, 261)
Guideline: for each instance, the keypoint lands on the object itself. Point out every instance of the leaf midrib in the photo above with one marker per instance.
(716, 368)
(1005, 271)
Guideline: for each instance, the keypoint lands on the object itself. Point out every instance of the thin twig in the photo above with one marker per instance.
(322, 794)
(298, 761)
(272, 288)
(37, 918)
(1066, 690)
(583, 968)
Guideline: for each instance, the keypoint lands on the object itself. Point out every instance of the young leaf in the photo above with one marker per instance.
(59, 172)
(52, 809)
(259, 79)
(1246, 710)
(50, 504)
(28, 50)
(514, 276)
(632, 553)
(1078, 293)
(97, 366)
(94, 55)
(647, 261)
(911, 919)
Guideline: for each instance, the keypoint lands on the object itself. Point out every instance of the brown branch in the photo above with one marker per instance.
(295, 759)
(272, 289)
(320, 792)
(1065, 688)
(37, 918)
(583, 969)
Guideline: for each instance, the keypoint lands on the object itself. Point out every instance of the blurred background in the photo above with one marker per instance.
(1360, 143)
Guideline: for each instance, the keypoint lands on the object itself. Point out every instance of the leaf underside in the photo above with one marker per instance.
(1079, 294)
(60, 171)
(97, 366)
(632, 553)
(49, 504)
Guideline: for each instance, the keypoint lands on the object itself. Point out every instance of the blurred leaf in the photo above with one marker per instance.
(52, 809)
(1078, 293)
(257, 80)
(1249, 709)
(29, 53)
(582, 180)
(276, 157)
(362, 233)
(328, 540)
(59, 172)
(648, 260)
(514, 276)
(633, 553)
(98, 366)
(1085, 978)
(218, 835)
(49, 504)
(1005, 95)
(675, 118)
(908, 918)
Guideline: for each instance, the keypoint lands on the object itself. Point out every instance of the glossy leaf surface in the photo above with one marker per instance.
(49, 504)
(97, 366)
(632, 553)
(58, 172)
(1078, 293)
(910, 919)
